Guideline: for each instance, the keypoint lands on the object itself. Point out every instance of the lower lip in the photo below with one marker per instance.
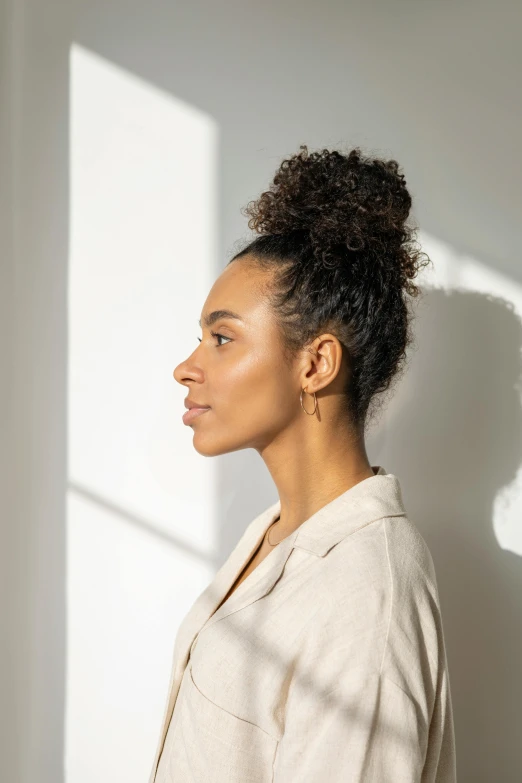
(192, 414)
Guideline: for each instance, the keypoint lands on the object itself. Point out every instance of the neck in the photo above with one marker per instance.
(312, 469)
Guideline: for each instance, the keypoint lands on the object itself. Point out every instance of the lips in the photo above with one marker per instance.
(193, 413)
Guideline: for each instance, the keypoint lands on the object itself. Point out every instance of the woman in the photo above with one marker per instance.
(316, 654)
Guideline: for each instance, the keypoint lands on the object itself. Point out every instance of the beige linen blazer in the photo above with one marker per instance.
(326, 665)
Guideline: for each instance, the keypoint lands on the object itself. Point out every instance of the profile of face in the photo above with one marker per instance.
(239, 369)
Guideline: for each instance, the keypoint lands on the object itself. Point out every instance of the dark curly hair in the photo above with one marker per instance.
(333, 229)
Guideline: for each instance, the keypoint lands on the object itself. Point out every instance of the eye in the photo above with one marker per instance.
(216, 334)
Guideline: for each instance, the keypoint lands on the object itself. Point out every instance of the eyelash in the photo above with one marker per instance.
(216, 334)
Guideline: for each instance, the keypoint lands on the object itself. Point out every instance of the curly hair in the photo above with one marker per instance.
(333, 230)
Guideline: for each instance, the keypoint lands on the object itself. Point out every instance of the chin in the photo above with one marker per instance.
(208, 447)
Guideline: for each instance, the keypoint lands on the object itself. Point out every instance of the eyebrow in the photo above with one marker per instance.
(211, 318)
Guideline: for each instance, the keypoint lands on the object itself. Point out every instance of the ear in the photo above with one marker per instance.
(321, 363)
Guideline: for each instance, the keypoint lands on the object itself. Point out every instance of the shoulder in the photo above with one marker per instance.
(387, 554)
(380, 583)
(380, 586)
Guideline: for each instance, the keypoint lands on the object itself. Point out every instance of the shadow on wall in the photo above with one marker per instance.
(461, 416)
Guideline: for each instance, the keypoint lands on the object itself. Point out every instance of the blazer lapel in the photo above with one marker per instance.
(203, 610)
(205, 605)
(257, 584)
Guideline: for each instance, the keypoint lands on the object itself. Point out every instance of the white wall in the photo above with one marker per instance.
(432, 85)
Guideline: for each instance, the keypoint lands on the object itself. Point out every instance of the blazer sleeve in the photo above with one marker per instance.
(362, 729)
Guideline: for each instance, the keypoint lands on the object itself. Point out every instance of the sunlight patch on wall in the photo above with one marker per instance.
(141, 504)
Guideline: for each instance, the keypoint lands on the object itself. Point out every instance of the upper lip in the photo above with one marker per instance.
(191, 404)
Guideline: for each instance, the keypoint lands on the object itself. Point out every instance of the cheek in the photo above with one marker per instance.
(254, 399)
(256, 388)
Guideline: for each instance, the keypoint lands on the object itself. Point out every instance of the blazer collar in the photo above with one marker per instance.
(371, 499)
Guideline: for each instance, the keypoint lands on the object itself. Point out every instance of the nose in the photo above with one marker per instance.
(187, 370)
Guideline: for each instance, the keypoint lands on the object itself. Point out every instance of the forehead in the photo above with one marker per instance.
(241, 289)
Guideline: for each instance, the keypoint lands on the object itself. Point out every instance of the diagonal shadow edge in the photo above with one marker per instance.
(142, 524)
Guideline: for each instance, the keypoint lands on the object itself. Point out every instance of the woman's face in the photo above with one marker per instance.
(242, 374)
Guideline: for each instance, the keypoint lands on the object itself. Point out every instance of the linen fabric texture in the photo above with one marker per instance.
(326, 665)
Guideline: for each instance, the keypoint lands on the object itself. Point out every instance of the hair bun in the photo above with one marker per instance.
(345, 205)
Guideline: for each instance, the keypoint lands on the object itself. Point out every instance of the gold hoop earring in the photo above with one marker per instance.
(303, 407)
